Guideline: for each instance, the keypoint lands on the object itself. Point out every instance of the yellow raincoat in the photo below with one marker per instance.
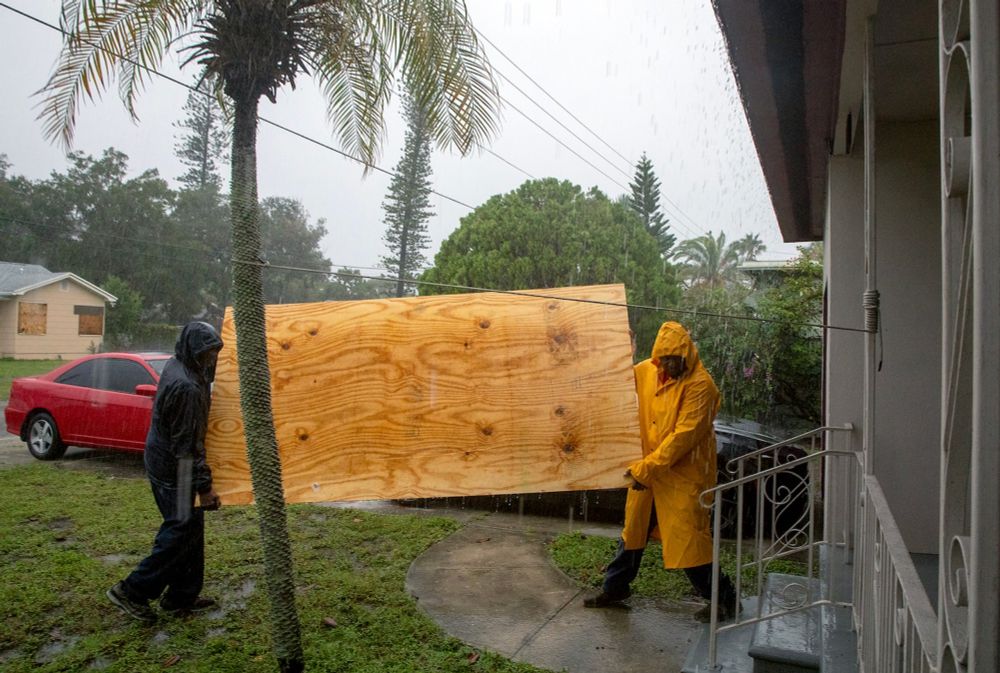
(678, 445)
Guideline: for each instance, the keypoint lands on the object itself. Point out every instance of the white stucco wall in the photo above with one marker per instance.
(908, 388)
(843, 376)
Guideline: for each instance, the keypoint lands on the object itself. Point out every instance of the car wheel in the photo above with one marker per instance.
(43, 441)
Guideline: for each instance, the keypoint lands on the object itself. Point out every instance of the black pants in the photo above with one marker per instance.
(177, 562)
(624, 568)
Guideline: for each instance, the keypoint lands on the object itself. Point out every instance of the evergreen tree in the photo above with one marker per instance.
(204, 139)
(645, 200)
(407, 205)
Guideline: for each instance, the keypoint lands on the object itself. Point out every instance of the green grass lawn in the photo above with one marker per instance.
(11, 369)
(66, 536)
(583, 557)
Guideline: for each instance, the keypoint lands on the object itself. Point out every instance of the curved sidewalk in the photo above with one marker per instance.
(492, 585)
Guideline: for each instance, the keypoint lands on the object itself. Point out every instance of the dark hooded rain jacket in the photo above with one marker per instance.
(175, 445)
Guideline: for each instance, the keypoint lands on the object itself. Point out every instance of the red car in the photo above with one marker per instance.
(98, 401)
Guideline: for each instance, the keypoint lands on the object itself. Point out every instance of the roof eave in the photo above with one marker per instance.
(21, 291)
(786, 60)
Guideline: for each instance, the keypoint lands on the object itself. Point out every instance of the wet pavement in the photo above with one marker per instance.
(491, 584)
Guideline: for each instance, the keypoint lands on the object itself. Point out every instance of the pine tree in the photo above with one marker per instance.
(645, 200)
(204, 139)
(407, 204)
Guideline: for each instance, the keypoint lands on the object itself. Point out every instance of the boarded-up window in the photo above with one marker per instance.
(31, 318)
(91, 320)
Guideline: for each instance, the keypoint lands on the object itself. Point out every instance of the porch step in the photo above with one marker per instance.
(732, 647)
(791, 643)
(840, 642)
(821, 638)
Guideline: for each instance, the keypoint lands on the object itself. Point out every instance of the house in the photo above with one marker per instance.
(877, 126)
(47, 315)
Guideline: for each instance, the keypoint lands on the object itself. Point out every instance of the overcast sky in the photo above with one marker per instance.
(644, 75)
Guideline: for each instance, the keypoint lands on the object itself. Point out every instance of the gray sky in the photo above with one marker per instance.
(645, 75)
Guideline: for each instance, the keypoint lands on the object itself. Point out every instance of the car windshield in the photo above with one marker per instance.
(158, 365)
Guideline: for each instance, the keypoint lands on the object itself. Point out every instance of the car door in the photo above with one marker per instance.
(121, 417)
(69, 399)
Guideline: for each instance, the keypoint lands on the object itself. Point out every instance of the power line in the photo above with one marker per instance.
(265, 120)
(545, 91)
(536, 295)
(326, 145)
(678, 212)
(208, 253)
(550, 134)
(566, 128)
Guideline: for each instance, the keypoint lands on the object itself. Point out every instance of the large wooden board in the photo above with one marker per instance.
(449, 395)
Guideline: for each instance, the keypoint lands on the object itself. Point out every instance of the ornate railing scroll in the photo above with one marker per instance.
(781, 484)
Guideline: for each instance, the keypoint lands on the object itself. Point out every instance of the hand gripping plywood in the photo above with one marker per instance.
(448, 395)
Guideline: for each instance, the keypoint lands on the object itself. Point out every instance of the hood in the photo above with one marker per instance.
(673, 339)
(195, 339)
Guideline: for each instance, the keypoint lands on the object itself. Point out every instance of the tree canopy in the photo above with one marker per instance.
(551, 233)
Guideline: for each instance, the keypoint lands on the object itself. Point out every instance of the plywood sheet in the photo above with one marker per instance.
(31, 318)
(449, 395)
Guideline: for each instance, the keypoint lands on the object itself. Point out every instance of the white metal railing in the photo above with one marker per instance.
(782, 485)
(893, 617)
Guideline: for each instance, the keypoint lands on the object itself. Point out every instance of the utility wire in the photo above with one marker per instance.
(264, 120)
(566, 128)
(580, 300)
(543, 90)
(326, 145)
(678, 212)
(209, 254)
(551, 135)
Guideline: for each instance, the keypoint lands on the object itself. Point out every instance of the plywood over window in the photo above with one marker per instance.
(91, 320)
(438, 396)
(32, 318)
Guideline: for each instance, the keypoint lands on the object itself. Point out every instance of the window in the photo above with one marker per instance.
(91, 320)
(120, 376)
(82, 375)
(31, 318)
(158, 365)
(64, 285)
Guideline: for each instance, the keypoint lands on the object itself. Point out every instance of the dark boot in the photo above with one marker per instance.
(606, 600)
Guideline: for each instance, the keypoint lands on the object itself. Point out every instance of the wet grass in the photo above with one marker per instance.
(66, 536)
(11, 369)
(583, 558)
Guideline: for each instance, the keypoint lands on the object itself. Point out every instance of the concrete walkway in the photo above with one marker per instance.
(491, 584)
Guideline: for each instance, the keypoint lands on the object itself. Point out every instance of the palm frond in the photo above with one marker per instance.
(100, 36)
(356, 76)
(444, 67)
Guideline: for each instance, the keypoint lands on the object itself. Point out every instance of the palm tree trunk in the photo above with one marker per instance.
(255, 390)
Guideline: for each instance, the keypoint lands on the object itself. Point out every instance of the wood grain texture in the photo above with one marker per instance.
(449, 395)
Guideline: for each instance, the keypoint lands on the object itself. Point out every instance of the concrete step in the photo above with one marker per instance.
(840, 643)
(790, 643)
(731, 652)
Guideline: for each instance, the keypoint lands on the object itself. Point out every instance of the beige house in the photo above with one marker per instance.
(46, 315)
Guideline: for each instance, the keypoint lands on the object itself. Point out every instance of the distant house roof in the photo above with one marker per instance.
(761, 265)
(18, 279)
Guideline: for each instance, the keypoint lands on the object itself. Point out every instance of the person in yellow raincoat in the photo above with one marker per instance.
(678, 401)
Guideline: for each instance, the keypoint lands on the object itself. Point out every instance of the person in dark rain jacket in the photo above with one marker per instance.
(175, 463)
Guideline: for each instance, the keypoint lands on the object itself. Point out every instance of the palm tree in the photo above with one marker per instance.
(748, 247)
(711, 262)
(252, 48)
